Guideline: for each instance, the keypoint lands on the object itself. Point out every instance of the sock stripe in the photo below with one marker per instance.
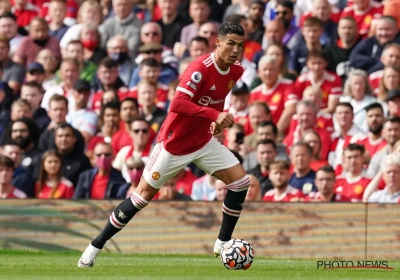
(115, 223)
(239, 181)
(241, 185)
(136, 202)
(115, 218)
(230, 212)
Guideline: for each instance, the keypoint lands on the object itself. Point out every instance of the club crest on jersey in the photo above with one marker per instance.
(196, 77)
(231, 84)
(156, 175)
(307, 188)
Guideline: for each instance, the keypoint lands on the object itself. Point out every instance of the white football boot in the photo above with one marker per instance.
(88, 257)
(218, 246)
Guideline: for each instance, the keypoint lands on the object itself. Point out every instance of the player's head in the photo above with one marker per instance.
(230, 42)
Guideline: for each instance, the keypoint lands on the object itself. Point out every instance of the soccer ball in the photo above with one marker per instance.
(237, 254)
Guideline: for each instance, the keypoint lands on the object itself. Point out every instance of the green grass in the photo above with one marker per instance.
(18, 265)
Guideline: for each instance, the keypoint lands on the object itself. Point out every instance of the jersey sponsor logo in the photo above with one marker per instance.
(206, 100)
(213, 88)
(231, 84)
(196, 77)
(193, 86)
(156, 176)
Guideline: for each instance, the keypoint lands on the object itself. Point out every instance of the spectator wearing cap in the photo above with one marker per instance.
(255, 23)
(90, 38)
(37, 40)
(13, 73)
(117, 49)
(154, 50)
(102, 181)
(6, 186)
(25, 12)
(284, 12)
(10, 29)
(366, 55)
(338, 53)
(33, 93)
(81, 118)
(50, 66)
(57, 13)
(69, 73)
(35, 73)
(124, 23)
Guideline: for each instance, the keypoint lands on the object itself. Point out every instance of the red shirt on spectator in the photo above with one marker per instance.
(335, 15)
(324, 121)
(122, 92)
(289, 195)
(99, 186)
(184, 184)
(371, 146)
(374, 80)
(331, 85)
(250, 49)
(65, 190)
(16, 193)
(162, 94)
(72, 10)
(278, 97)
(316, 196)
(352, 188)
(24, 17)
(317, 164)
(364, 18)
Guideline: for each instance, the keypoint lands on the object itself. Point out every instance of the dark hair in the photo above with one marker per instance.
(43, 177)
(280, 164)
(263, 104)
(316, 54)
(150, 62)
(6, 162)
(231, 27)
(130, 99)
(199, 39)
(140, 119)
(108, 63)
(64, 125)
(31, 125)
(313, 21)
(392, 119)
(9, 142)
(114, 105)
(287, 4)
(267, 142)
(58, 98)
(355, 147)
(271, 124)
(348, 18)
(33, 85)
(327, 169)
(8, 15)
(375, 105)
(345, 104)
(304, 145)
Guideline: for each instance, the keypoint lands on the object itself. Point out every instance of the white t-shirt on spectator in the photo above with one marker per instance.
(83, 120)
(71, 34)
(58, 89)
(119, 161)
(383, 196)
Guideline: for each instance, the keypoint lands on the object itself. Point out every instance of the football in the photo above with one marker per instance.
(237, 254)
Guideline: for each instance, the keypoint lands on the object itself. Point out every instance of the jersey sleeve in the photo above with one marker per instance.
(192, 79)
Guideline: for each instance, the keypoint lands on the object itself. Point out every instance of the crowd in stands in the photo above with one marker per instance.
(86, 86)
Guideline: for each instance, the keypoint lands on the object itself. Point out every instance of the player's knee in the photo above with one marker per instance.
(240, 185)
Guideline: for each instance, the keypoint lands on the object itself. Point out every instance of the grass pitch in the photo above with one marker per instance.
(23, 265)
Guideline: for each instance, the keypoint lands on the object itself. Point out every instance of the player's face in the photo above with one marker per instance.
(354, 161)
(391, 79)
(357, 87)
(268, 73)
(306, 115)
(140, 133)
(375, 120)
(231, 46)
(147, 95)
(344, 115)
(6, 174)
(128, 111)
(300, 157)
(391, 132)
(391, 57)
(316, 65)
(279, 177)
(14, 153)
(313, 141)
(391, 175)
(111, 117)
(265, 155)
(325, 182)
(52, 165)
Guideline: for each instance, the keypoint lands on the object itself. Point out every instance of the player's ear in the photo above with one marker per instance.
(217, 41)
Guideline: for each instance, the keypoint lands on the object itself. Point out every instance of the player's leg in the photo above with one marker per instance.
(218, 161)
(160, 168)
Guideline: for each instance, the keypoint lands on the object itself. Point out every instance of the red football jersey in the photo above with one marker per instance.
(207, 86)
(335, 15)
(289, 195)
(122, 92)
(72, 10)
(364, 18)
(371, 146)
(374, 80)
(331, 85)
(353, 188)
(317, 197)
(16, 193)
(278, 97)
(64, 190)
(324, 121)
(161, 98)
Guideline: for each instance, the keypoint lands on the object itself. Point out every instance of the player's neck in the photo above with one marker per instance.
(5, 189)
(220, 62)
(300, 173)
(374, 136)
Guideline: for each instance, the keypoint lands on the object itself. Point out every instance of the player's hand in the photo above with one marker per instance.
(225, 120)
(215, 129)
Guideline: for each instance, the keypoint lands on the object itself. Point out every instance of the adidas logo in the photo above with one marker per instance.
(213, 88)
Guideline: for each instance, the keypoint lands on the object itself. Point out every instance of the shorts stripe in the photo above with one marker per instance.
(153, 158)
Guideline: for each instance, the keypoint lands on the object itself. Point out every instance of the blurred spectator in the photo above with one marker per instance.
(391, 177)
(325, 182)
(235, 138)
(390, 57)
(129, 110)
(258, 112)
(37, 40)
(169, 192)
(366, 55)
(338, 53)
(204, 188)
(107, 78)
(117, 49)
(5, 115)
(10, 29)
(89, 12)
(266, 130)
(278, 93)
(364, 12)
(209, 31)
(393, 102)
(21, 178)
(311, 31)
(7, 190)
(50, 65)
(239, 99)
(240, 8)
(57, 13)
(35, 73)
(21, 109)
(24, 11)
(124, 23)
(51, 183)
(5, 6)
(90, 38)
(141, 146)
(254, 191)
(255, 23)
(71, 10)
(74, 50)
(220, 190)
(352, 184)
(391, 134)
(357, 91)
(313, 139)
(147, 97)
(184, 181)
(13, 73)
(392, 8)
(330, 83)
(33, 93)
(303, 176)
(197, 47)
(24, 132)
(390, 81)
(279, 175)
(69, 72)
(284, 12)
(102, 181)
(266, 154)
(81, 118)
(135, 167)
